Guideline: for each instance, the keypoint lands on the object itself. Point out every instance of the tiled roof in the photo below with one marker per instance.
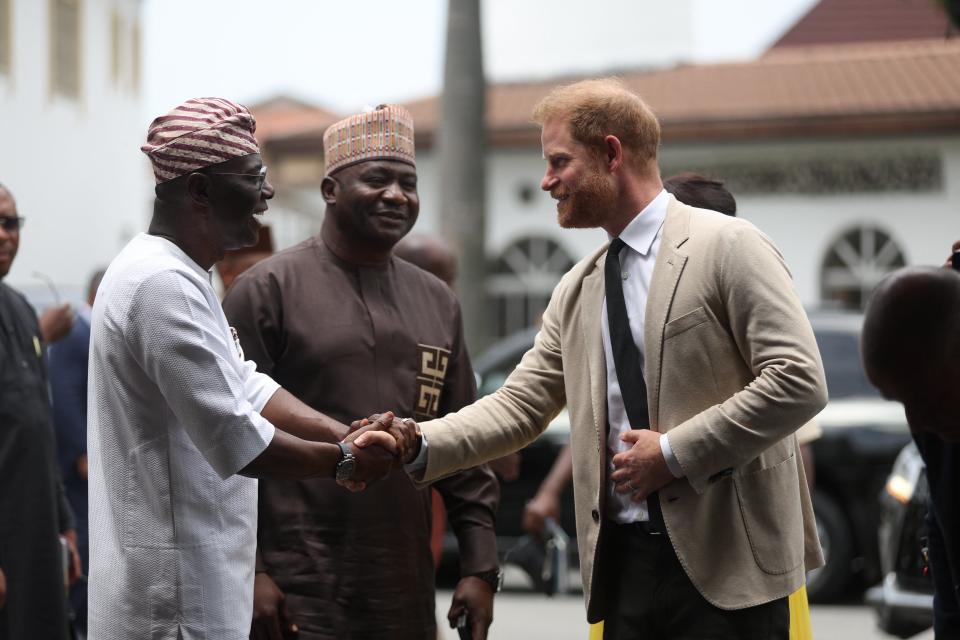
(838, 21)
(796, 91)
(283, 116)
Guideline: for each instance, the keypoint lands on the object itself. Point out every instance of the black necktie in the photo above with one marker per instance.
(626, 358)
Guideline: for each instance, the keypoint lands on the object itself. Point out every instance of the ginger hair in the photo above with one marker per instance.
(597, 108)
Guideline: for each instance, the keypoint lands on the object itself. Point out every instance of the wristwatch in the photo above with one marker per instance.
(347, 464)
(493, 577)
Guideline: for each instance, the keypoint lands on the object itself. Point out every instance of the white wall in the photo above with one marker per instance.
(74, 166)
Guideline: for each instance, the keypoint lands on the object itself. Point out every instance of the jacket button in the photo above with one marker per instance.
(595, 515)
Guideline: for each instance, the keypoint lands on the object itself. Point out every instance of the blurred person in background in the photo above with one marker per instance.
(68, 361)
(34, 512)
(180, 423)
(911, 353)
(347, 327)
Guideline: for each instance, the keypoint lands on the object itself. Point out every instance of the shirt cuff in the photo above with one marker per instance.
(672, 463)
(418, 465)
(259, 389)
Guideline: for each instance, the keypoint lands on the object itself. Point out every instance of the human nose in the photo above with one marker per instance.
(394, 193)
(267, 190)
(549, 180)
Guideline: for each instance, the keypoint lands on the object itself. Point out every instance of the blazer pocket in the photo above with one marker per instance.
(770, 506)
(687, 321)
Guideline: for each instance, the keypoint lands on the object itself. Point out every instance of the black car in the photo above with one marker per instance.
(904, 600)
(862, 435)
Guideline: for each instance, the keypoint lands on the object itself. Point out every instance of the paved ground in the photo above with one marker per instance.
(536, 617)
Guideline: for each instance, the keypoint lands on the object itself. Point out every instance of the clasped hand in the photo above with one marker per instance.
(380, 443)
(641, 469)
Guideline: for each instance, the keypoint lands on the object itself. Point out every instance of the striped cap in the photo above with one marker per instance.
(199, 133)
(386, 133)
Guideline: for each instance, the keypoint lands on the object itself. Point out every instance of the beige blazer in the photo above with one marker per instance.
(732, 370)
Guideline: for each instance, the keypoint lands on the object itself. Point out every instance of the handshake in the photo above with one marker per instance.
(374, 447)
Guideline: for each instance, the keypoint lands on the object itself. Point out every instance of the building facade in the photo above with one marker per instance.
(70, 125)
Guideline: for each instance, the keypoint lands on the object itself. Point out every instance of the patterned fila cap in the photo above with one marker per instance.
(199, 133)
(386, 133)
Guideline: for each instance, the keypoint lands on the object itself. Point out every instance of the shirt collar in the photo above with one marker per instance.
(643, 229)
(178, 253)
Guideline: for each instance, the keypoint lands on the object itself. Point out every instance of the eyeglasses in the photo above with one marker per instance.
(261, 177)
(12, 224)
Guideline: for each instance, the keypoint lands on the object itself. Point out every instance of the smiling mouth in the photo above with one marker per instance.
(392, 214)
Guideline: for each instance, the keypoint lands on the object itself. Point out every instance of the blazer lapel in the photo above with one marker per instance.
(663, 286)
(590, 307)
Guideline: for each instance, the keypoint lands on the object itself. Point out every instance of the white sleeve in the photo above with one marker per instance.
(176, 337)
(258, 387)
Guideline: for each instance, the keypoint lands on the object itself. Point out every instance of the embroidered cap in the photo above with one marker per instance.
(199, 133)
(386, 133)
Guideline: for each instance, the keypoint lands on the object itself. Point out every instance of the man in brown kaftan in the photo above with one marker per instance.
(350, 329)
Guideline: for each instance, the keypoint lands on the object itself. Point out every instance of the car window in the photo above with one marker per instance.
(840, 351)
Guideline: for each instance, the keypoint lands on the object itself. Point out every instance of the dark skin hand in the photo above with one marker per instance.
(475, 597)
(271, 620)
(291, 457)
(56, 322)
(3, 590)
(405, 431)
(75, 566)
(375, 464)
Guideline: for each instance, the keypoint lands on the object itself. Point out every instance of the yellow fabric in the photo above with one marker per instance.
(596, 631)
(800, 628)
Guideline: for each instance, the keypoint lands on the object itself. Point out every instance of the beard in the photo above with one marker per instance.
(588, 204)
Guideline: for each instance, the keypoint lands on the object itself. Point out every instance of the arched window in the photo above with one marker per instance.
(855, 263)
(522, 280)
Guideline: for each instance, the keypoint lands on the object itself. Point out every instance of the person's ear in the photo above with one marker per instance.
(198, 189)
(613, 153)
(329, 188)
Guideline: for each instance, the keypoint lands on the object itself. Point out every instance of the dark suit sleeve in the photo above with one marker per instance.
(473, 495)
(253, 308)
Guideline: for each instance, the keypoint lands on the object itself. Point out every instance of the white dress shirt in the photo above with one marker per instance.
(637, 258)
(172, 417)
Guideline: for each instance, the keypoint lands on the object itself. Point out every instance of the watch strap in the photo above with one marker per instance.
(346, 453)
(493, 577)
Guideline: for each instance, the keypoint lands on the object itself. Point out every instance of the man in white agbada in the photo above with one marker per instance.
(179, 423)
